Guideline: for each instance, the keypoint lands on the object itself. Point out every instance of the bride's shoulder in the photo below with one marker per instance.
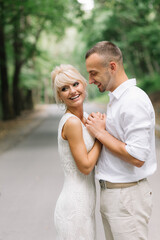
(66, 117)
(72, 128)
(73, 122)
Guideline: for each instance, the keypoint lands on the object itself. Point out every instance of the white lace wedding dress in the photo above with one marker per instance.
(75, 209)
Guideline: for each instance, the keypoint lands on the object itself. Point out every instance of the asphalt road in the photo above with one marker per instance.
(31, 180)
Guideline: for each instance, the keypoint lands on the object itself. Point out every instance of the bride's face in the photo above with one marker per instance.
(72, 94)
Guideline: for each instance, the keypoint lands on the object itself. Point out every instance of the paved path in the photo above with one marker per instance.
(31, 180)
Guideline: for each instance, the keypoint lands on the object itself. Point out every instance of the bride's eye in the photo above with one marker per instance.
(76, 84)
(63, 89)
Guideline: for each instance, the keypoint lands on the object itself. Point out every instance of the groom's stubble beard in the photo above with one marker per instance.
(102, 90)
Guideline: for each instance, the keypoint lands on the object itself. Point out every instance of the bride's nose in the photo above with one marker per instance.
(72, 89)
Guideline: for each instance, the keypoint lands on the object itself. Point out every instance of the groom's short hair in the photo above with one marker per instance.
(108, 50)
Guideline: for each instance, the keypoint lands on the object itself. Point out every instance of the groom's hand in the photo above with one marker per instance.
(95, 123)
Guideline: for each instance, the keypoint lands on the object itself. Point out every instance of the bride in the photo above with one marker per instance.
(75, 209)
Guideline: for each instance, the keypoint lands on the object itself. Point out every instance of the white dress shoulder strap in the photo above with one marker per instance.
(63, 120)
(86, 115)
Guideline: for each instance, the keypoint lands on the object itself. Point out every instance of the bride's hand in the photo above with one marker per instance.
(96, 115)
(95, 123)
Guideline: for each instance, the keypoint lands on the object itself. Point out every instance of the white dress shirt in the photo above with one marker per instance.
(131, 119)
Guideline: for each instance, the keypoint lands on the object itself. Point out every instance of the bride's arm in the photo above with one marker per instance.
(72, 132)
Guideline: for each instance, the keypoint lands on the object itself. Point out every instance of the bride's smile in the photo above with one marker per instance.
(72, 94)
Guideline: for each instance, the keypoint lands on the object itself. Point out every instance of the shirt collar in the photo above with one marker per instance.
(122, 88)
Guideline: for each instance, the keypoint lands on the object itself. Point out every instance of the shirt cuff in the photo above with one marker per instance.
(138, 153)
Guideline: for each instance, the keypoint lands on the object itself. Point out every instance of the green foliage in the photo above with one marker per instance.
(42, 34)
(150, 83)
(103, 98)
(24, 23)
(135, 27)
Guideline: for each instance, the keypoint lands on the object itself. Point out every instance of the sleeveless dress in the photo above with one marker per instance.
(74, 215)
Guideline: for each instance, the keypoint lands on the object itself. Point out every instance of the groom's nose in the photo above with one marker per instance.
(91, 80)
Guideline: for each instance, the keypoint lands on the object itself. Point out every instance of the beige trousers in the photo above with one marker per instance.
(126, 212)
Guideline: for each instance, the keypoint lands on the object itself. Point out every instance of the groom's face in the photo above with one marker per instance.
(99, 74)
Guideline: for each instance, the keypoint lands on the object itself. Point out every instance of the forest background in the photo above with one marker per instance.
(35, 36)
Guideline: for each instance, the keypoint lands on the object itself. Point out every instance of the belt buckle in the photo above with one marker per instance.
(102, 184)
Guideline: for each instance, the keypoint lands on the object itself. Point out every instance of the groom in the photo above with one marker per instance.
(128, 153)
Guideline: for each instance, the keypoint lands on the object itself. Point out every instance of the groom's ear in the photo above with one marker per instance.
(112, 66)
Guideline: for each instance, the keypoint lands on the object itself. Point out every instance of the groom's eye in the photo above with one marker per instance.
(93, 73)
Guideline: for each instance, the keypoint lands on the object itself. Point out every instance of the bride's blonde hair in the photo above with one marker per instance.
(62, 75)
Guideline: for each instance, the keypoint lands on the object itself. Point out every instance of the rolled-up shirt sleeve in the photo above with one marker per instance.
(138, 121)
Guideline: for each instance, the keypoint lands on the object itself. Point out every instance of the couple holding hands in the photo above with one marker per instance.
(120, 143)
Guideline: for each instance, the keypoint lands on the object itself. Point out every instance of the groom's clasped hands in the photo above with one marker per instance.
(96, 123)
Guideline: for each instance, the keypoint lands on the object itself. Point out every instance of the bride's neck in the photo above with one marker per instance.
(77, 112)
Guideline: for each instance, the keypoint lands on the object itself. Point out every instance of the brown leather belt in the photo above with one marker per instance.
(110, 185)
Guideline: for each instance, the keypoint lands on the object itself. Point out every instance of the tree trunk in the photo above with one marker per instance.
(16, 91)
(148, 62)
(5, 100)
(29, 100)
(46, 97)
(156, 65)
(17, 48)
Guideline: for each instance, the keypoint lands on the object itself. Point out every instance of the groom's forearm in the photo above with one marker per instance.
(117, 147)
